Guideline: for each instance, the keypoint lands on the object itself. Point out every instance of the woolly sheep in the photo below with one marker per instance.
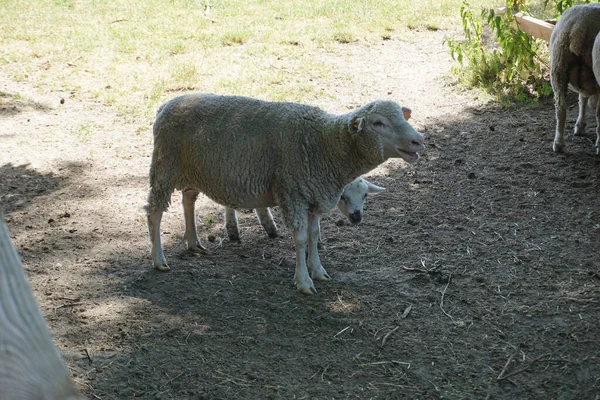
(572, 65)
(248, 153)
(30, 365)
(350, 204)
(596, 67)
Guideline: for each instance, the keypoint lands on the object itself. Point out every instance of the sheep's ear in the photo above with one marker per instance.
(406, 111)
(358, 124)
(374, 189)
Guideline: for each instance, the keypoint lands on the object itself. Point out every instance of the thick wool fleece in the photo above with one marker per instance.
(572, 64)
(249, 153)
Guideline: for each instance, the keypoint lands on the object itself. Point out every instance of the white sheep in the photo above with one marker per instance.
(30, 365)
(350, 204)
(248, 153)
(596, 67)
(572, 65)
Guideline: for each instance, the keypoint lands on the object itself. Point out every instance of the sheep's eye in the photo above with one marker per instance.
(343, 198)
(378, 124)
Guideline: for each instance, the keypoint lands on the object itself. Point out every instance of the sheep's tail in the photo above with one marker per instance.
(160, 109)
(161, 184)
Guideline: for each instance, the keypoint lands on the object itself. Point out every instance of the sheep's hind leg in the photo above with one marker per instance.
(580, 124)
(315, 267)
(158, 257)
(231, 224)
(191, 234)
(266, 220)
(598, 126)
(560, 87)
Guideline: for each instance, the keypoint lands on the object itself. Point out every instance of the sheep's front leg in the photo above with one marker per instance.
(191, 235)
(231, 224)
(315, 267)
(266, 220)
(580, 124)
(304, 284)
(158, 257)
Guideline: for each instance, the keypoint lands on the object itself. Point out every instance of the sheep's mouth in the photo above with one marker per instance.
(408, 156)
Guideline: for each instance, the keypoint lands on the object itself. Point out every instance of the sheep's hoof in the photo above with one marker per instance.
(309, 291)
(162, 268)
(321, 278)
(558, 148)
(272, 234)
(320, 275)
(579, 130)
(198, 249)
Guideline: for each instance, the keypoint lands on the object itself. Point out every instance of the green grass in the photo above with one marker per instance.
(133, 56)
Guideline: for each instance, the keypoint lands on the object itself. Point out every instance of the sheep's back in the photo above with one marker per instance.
(230, 148)
(576, 31)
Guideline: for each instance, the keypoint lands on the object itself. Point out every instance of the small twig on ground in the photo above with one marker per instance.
(68, 305)
(387, 335)
(88, 354)
(510, 359)
(425, 271)
(323, 373)
(92, 392)
(385, 362)
(342, 331)
(172, 379)
(442, 299)
(540, 358)
(406, 312)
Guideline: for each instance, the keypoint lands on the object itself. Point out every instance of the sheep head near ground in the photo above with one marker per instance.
(353, 198)
(248, 153)
(351, 204)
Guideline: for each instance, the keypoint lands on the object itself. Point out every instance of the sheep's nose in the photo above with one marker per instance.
(355, 217)
(418, 144)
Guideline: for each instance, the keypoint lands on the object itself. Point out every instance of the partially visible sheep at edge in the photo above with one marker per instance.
(248, 153)
(30, 365)
(572, 65)
(351, 204)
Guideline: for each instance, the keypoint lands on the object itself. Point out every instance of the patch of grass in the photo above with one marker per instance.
(209, 220)
(237, 37)
(83, 133)
(149, 49)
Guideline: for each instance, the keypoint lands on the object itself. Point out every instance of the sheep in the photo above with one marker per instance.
(248, 153)
(594, 100)
(30, 365)
(350, 204)
(572, 65)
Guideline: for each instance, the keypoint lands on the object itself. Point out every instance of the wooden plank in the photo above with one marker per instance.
(534, 27)
(531, 26)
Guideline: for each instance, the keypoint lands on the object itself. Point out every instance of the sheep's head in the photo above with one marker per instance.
(388, 121)
(353, 198)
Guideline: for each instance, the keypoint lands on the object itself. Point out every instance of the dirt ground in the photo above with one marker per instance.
(475, 275)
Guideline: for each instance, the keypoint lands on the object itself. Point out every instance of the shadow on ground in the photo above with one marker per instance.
(475, 275)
